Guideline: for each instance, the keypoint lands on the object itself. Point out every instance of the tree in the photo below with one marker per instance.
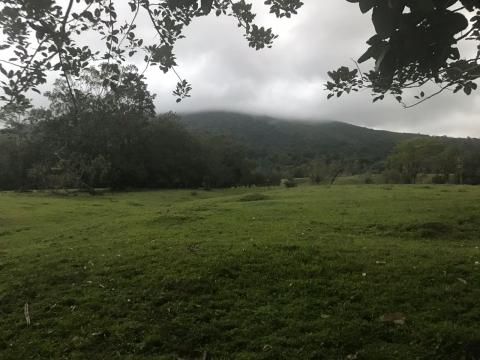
(102, 91)
(416, 43)
(446, 163)
(227, 163)
(111, 137)
(322, 170)
(172, 156)
(412, 156)
(11, 164)
(94, 142)
(462, 160)
(42, 36)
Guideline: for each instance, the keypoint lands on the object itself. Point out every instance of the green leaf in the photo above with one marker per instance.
(207, 6)
(423, 6)
(366, 5)
(383, 20)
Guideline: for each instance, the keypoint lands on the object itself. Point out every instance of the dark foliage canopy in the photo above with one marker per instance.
(417, 42)
(114, 139)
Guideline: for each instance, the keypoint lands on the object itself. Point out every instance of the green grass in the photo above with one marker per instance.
(302, 273)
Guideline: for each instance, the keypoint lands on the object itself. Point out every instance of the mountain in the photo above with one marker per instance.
(294, 143)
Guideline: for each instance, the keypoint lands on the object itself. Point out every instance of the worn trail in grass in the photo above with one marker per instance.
(341, 272)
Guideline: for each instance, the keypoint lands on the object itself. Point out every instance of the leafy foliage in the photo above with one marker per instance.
(43, 36)
(451, 160)
(119, 144)
(112, 138)
(410, 156)
(416, 43)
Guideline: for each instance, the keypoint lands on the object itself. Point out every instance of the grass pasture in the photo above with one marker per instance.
(313, 272)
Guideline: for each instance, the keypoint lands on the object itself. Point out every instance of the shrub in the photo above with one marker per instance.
(439, 179)
(393, 176)
(290, 183)
(369, 180)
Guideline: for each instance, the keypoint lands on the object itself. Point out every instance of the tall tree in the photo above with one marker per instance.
(97, 134)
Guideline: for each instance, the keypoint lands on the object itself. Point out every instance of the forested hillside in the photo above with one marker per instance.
(327, 149)
(296, 143)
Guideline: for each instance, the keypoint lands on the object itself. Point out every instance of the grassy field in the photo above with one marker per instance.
(341, 272)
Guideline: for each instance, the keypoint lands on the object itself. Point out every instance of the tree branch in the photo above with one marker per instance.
(69, 86)
(65, 18)
(442, 89)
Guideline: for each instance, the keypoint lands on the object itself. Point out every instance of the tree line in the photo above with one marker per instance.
(446, 160)
(423, 159)
(112, 138)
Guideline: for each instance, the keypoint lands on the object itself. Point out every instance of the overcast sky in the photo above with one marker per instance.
(287, 80)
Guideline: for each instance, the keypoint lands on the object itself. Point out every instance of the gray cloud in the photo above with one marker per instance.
(287, 80)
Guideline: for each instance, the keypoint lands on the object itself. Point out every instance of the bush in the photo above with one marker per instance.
(290, 183)
(317, 179)
(439, 179)
(393, 177)
(368, 180)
